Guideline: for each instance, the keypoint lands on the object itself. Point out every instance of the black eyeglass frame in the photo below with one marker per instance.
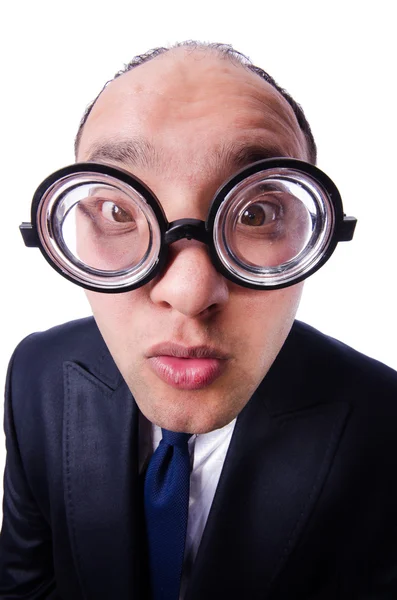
(203, 231)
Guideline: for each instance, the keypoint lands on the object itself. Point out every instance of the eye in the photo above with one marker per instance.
(114, 213)
(260, 213)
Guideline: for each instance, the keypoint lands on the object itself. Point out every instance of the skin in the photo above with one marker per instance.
(190, 105)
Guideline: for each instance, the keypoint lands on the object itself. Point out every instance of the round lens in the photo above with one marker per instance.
(102, 227)
(273, 226)
(99, 230)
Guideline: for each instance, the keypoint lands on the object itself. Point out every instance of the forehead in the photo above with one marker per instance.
(190, 108)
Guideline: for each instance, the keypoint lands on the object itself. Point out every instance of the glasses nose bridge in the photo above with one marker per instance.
(187, 229)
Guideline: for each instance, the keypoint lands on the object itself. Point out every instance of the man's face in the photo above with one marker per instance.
(184, 123)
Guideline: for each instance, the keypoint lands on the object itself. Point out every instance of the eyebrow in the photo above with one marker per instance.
(136, 151)
(240, 155)
(141, 152)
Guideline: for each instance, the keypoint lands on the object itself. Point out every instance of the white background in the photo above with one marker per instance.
(337, 59)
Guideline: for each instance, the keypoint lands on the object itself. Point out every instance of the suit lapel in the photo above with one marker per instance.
(276, 466)
(101, 482)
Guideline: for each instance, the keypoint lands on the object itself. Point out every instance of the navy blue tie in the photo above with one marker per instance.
(166, 497)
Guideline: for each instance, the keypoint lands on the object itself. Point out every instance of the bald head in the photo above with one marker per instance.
(188, 62)
(178, 100)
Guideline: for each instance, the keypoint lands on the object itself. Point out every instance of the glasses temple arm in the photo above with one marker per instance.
(346, 229)
(29, 235)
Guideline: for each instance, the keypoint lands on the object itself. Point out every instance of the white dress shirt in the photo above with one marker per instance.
(207, 455)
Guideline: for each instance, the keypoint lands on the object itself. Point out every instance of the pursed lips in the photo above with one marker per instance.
(187, 367)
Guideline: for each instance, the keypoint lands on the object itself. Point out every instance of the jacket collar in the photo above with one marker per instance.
(101, 483)
(92, 354)
(274, 471)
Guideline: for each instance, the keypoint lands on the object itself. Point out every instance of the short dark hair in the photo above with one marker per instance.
(224, 50)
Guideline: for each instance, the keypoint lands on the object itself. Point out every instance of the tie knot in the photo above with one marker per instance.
(173, 438)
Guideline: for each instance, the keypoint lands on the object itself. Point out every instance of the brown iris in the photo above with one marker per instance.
(257, 215)
(120, 215)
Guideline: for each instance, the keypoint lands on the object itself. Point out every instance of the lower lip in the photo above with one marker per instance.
(187, 373)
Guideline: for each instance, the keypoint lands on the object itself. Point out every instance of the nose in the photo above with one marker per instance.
(190, 284)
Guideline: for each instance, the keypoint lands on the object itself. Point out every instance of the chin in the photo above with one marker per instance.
(189, 415)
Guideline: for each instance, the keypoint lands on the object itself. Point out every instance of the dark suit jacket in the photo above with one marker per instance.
(306, 506)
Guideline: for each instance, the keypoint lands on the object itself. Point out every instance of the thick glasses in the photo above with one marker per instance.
(270, 226)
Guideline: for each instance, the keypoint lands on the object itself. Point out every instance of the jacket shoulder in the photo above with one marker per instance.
(78, 341)
(38, 361)
(72, 339)
(331, 364)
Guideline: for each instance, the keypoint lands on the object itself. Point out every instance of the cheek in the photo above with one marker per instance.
(277, 311)
(118, 317)
(283, 304)
(262, 321)
(267, 308)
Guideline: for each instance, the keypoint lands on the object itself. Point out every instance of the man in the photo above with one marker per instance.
(290, 435)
